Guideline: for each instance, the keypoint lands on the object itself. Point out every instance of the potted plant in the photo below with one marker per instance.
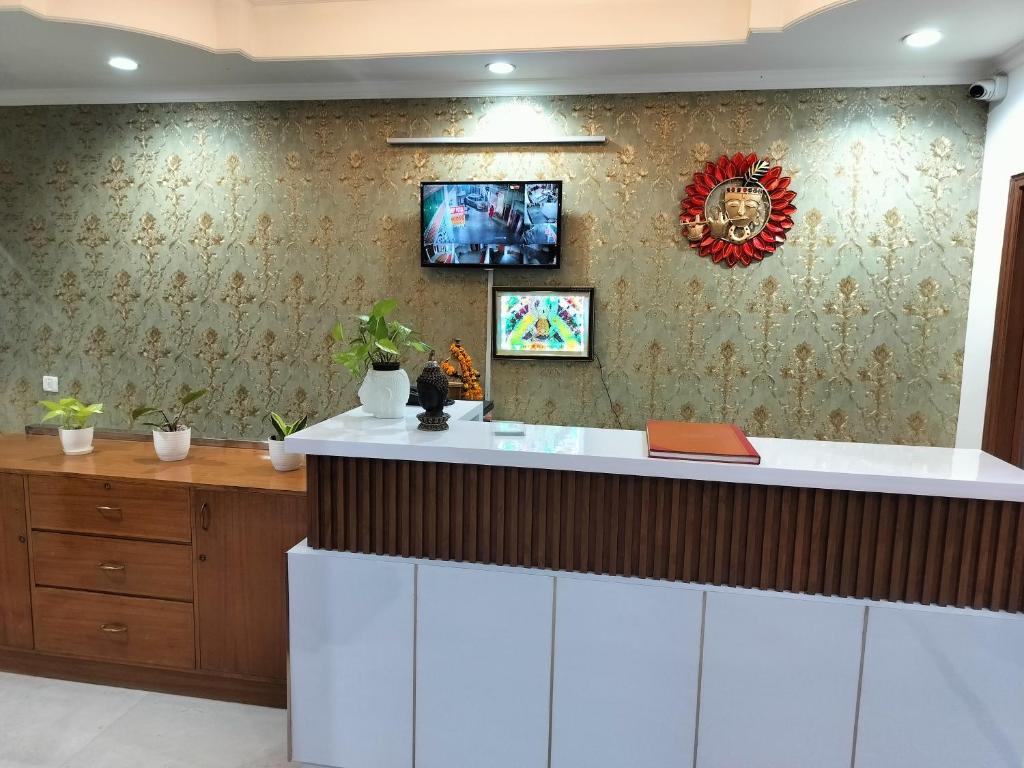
(284, 462)
(74, 415)
(375, 350)
(171, 438)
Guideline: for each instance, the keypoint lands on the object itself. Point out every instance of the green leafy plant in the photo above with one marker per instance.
(73, 413)
(282, 428)
(377, 340)
(168, 424)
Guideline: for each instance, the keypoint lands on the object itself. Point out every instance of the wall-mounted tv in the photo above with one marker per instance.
(487, 224)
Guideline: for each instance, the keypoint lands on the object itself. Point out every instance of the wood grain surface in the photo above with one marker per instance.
(919, 549)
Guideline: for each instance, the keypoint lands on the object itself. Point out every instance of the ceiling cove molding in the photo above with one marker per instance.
(725, 81)
(1012, 59)
(289, 30)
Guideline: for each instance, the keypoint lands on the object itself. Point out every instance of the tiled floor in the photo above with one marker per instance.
(57, 724)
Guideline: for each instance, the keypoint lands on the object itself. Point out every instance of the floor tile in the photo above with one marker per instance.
(165, 731)
(43, 722)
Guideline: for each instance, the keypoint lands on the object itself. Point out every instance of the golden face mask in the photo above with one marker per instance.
(743, 205)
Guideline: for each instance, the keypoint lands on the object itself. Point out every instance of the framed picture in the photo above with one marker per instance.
(554, 323)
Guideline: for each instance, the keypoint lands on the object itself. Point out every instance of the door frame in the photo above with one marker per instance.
(1004, 408)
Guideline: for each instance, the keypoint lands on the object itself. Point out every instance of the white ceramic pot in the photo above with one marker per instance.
(172, 446)
(385, 393)
(76, 441)
(283, 462)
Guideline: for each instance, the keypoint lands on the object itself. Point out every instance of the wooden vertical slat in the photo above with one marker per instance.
(818, 543)
(708, 522)
(952, 552)
(738, 537)
(1001, 563)
(722, 533)
(918, 549)
(933, 553)
(800, 572)
(969, 563)
(884, 543)
(691, 542)
(755, 537)
(470, 490)
(986, 552)
(867, 544)
(901, 538)
(485, 507)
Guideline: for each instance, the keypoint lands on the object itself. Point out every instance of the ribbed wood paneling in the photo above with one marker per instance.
(918, 549)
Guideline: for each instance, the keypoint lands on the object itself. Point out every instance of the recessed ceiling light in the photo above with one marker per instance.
(501, 68)
(923, 38)
(123, 62)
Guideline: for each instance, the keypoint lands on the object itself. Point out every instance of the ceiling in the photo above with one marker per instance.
(853, 44)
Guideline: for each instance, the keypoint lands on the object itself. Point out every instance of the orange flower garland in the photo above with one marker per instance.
(471, 389)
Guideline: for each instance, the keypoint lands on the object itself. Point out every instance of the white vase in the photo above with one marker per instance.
(172, 446)
(76, 441)
(283, 462)
(385, 393)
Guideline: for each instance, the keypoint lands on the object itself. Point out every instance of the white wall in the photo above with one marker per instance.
(1004, 157)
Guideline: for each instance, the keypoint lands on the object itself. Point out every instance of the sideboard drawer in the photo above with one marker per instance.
(132, 630)
(109, 507)
(142, 568)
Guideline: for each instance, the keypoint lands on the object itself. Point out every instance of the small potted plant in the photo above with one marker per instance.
(74, 415)
(375, 350)
(171, 438)
(284, 462)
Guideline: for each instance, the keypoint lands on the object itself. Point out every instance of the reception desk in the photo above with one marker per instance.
(559, 599)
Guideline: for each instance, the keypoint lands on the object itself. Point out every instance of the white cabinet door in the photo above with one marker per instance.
(779, 685)
(483, 668)
(943, 689)
(625, 676)
(351, 660)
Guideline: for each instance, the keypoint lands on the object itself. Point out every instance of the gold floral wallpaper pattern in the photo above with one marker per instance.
(144, 248)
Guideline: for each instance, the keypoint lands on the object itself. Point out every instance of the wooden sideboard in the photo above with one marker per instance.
(118, 568)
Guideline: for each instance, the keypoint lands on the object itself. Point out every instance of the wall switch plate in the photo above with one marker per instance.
(50, 384)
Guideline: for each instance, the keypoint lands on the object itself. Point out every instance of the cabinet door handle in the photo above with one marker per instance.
(111, 513)
(111, 566)
(204, 516)
(114, 628)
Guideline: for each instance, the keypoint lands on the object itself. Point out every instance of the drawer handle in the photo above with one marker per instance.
(111, 513)
(204, 516)
(111, 566)
(114, 628)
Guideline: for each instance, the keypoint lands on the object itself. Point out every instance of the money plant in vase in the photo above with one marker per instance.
(75, 432)
(375, 350)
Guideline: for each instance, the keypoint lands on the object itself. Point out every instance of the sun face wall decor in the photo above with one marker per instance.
(738, 210)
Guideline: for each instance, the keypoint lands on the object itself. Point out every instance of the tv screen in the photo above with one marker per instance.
(491, 224)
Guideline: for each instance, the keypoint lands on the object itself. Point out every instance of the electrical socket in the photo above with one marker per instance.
(50, 384)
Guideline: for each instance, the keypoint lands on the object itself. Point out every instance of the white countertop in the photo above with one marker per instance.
(955, 472)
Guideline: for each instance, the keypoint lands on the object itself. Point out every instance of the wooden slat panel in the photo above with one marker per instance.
(909, 548)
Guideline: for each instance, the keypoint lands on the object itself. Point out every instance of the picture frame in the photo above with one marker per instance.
(542, 323)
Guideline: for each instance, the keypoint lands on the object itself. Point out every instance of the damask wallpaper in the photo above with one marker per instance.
(144, 248)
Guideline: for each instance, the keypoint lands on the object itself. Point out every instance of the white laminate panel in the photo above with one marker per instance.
(942, 690)
(779, 684)
(483, 668)
(351, 660)
(625, 674)
(920, 470)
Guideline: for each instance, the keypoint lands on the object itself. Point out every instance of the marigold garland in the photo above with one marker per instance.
(470, 376)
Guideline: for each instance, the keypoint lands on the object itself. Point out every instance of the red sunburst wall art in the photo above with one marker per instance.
(738, 210)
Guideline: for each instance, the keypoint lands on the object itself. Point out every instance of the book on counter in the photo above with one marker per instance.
(699, 442)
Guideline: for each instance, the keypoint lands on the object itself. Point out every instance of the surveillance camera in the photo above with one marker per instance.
(993, 89)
